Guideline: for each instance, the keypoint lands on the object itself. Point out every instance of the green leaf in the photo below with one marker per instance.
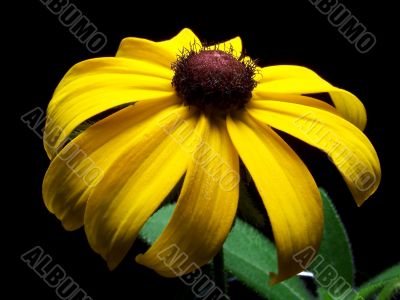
(390, 273)
(155, 225)
(324, 294)
(250, 256)
(390, 290)
(335, 250)
(389, 277)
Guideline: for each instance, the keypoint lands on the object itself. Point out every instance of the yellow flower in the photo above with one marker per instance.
(194, 120)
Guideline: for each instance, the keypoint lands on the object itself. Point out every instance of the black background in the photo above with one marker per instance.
(275, 32)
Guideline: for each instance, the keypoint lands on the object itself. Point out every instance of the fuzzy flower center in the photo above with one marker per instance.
(213, 80)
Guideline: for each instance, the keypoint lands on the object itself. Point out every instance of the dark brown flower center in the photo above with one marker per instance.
(213, 80)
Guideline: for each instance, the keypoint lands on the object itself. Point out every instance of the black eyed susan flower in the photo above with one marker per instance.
(189, 111)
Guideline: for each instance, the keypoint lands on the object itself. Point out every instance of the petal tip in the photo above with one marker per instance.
(273, 279)
(112, 263)
(68, 226)
(276, 278)
(140, 259)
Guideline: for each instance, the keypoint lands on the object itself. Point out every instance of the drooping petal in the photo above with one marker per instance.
(96, 85)
(206, 206)
(300, 80)
(137, 183)
(299, 99)
(163, 53)
(287, 189)
(346, 145)
(80, 166)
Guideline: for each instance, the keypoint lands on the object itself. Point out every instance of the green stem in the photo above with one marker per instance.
(219, 272)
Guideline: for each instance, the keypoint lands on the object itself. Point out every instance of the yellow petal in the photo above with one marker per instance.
(163, 53)
(299, 99)
(185, 39)
(287, 189)
(234, 45)
(79, 167)
(300, 80)
(136, 184)
(96, 85)
(346, 145)
(206, 206)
